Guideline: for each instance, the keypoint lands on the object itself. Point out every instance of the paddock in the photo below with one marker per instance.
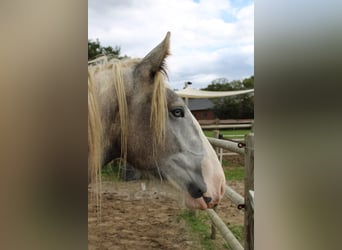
(136, 212)
(144, 214)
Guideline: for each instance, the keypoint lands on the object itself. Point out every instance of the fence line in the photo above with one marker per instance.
(249, 186)
(247, 202)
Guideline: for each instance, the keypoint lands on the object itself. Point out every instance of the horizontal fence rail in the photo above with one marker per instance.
(226, 124)
(235, 197)
(224, 230)
(226, 121)
(223, 126)
(232, 146)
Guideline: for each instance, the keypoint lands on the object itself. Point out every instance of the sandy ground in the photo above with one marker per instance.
(144, 215)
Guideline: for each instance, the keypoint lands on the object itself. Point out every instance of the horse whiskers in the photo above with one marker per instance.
(161, 177)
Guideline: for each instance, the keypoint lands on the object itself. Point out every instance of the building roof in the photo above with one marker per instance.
(200, 104)
(196, 93)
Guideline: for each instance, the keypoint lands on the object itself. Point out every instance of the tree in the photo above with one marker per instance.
(95, 50)
(233, 107)
(248, 83)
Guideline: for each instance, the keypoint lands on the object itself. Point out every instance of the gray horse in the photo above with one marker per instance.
(132, 114)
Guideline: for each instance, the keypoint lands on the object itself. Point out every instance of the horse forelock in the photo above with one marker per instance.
(159, 113)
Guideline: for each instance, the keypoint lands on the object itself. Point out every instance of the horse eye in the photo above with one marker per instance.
(178, 112)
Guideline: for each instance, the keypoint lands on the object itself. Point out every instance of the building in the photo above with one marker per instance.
(202, 109)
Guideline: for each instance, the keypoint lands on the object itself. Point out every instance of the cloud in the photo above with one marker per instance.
(209, 38)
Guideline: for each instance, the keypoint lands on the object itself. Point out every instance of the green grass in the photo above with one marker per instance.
(237, 231)
(235, 173)
(200, 226)
(111, 172)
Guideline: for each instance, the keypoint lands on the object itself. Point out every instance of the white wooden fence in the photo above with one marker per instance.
(247, 203)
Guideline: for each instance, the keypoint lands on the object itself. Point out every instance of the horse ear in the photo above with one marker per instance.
(155, 60)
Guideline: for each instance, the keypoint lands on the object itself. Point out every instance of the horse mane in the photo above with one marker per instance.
(96, 140)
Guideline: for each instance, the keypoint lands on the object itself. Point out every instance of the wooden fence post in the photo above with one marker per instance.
(249, 185)
(213, 229)
(216, 135)
(217, 149)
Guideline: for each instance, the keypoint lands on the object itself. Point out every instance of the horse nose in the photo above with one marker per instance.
(213, 201)
(196, 191)
(207, 199)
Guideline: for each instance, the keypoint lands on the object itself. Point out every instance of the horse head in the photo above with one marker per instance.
(164, 134)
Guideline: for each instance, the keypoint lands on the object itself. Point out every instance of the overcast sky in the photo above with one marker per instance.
(209, 38)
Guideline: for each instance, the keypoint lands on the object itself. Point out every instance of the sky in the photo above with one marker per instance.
(210, 39)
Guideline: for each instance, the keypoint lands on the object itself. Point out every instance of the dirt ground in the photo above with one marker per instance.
(145, 215)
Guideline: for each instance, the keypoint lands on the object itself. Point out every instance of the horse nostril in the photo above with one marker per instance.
(207, 199)
(223, 189)
(195, 191)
